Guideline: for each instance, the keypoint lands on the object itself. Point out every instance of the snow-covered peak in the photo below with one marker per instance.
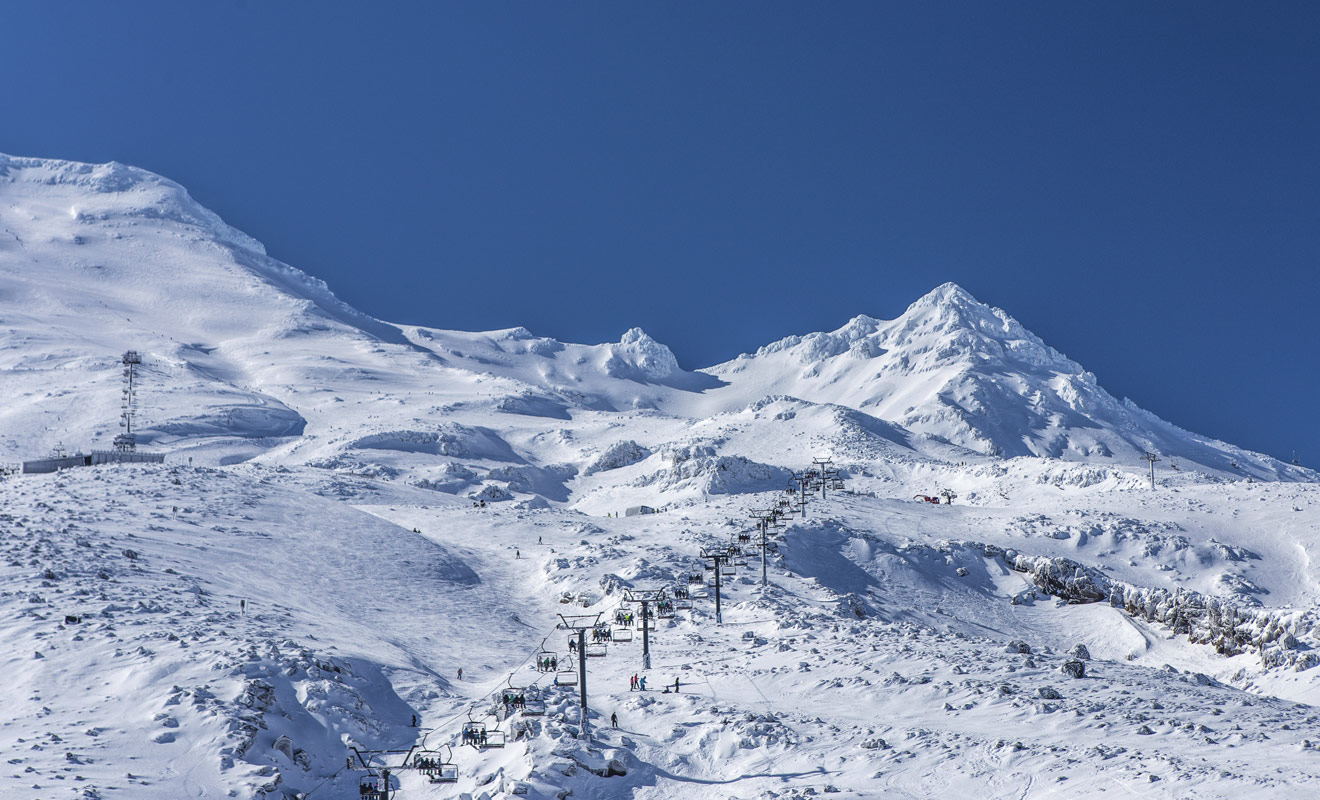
(964, 372)
(638, 356)
(115, 191)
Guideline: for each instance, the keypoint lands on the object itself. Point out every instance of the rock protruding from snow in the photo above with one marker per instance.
(617, 456)
(1073, 669)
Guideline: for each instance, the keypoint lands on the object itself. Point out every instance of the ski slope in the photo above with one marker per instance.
(351, 511)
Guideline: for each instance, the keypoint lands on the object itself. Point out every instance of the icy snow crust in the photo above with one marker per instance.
(328, 469)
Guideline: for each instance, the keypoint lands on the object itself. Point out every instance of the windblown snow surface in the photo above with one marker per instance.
(1062, 629)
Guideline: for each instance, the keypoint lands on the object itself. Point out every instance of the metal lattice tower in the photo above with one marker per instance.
(127, 440)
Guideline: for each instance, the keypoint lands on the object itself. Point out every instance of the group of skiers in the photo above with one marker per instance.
(638, 684)
(602, 635)
(476, 737)
(547, 663)
(514, 700)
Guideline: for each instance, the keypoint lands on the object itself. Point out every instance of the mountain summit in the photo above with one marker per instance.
(957, 370)
(97, 259)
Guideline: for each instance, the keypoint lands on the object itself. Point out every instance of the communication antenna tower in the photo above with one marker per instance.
(127, 440)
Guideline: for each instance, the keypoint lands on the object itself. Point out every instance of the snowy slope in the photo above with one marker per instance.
(329, 471)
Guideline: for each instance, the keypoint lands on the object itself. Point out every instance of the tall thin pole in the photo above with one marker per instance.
(646, 636)
(719, 618)
(1152, 458)
(802, 485)
(582, 680)
(764, 525)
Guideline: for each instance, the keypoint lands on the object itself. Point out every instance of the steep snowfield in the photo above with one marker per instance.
(329, 471)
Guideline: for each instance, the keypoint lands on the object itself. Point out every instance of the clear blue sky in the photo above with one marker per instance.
(1137, 182)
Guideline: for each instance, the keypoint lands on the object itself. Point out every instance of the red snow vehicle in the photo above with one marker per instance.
(923, 498)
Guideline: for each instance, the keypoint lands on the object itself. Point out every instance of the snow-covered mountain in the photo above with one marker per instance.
(961, 371)
(395, 502)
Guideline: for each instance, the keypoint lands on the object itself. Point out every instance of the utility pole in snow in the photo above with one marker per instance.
(1152, 458)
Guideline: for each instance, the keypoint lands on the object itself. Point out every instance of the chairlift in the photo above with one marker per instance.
(547, 661)
(696, 578)
(683, 602)
(597, 650)
(727, 570)
(373, 786)
(623, 635)
(534, 706)
(481, 737)
(436, 767)
(566, 677)
(664, 609)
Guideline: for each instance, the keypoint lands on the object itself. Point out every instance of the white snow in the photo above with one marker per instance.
(328, 471)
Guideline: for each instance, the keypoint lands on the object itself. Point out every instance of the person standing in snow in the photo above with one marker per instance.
(614, 719)
(460, 673)
(641, 683)
(675, 684)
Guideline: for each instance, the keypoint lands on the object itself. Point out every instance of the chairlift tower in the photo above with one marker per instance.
(1152, 458)
(764, 521)
(376, 784)
(126, 441)
(717, 558)
(644, 597)
(829, 474)
(581, 623)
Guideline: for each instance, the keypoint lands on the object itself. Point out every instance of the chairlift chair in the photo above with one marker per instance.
(597, 650)
(474, 733)
(727, 570)
(623, 635)
(436, 767)
(372, 786)
(534, 706)
(546, 660)
(566, 677)
(696, 578)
